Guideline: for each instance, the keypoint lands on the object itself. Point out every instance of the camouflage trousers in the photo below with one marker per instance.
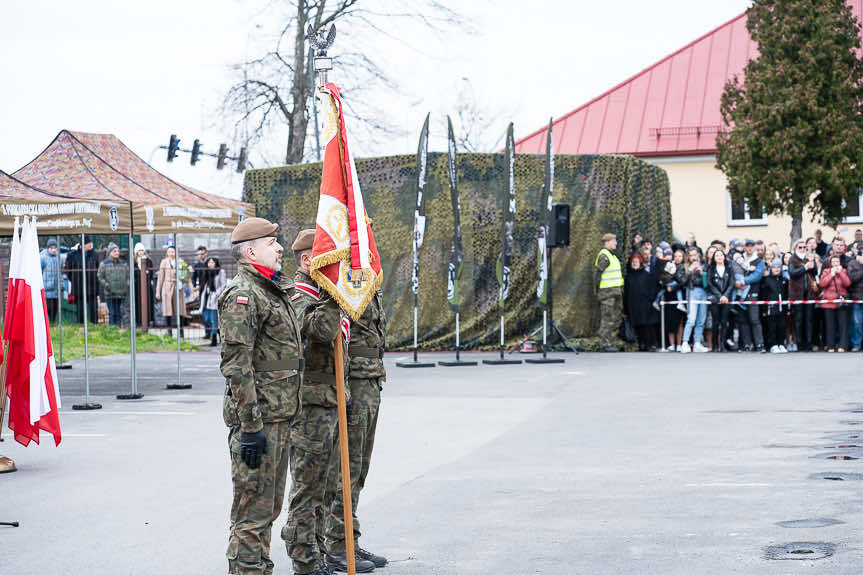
(366, 401)
(609, 319)
(258, 497)
(313, 434)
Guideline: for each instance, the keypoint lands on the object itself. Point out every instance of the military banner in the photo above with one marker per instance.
(67, 215)
(419, 209)
(345, 259)
(172, 218)
(547, 188)
(453, 290)
(504, 261)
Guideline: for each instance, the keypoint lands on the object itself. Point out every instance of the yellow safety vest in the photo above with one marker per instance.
(612, 276)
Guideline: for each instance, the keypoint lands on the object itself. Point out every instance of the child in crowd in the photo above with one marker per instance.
(774, 287)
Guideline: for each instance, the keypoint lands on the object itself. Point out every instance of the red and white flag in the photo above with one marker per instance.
(31, 374)
(345, 259)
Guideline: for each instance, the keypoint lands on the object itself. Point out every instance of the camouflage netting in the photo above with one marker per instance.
(619, 194)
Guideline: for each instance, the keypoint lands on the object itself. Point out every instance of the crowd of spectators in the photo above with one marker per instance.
(108, 280)
(699, 297)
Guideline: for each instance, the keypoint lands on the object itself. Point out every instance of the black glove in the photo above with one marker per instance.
(348, 407)
(252, 447)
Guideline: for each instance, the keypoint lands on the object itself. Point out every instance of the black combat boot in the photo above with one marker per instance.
(213, 340)
(369, 556)
(340, 563)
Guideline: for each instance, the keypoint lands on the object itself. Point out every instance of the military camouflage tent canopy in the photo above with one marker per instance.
(619, 194)
(100, 168)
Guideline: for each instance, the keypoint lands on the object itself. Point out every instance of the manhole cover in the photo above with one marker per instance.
(851, 422)
(840, 455)
(808, 523)
(803, 551)
(841, 476)
(845, 436)
(843, 446)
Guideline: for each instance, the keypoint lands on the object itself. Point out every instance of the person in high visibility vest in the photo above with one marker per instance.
(609, 292)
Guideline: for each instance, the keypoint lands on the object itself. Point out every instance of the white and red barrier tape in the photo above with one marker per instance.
(766, 302)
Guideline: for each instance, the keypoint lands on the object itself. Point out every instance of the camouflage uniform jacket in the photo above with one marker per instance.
(261, 351)
(368, 340)
(320, 320)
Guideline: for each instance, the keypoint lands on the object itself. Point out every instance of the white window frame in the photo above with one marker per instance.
(748, 220)
(855, 219)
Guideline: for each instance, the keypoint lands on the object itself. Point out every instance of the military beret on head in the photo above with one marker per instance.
(252, 229)
(305, 240)
(608, 237)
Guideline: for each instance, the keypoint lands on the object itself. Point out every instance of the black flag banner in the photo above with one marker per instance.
(453, 289)
(548, 189)
(504, 262)
(419, 211)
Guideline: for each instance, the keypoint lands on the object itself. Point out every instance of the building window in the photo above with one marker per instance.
(745, 213)
(853, 206)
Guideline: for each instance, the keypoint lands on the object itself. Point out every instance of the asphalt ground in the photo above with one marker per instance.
(606, 464)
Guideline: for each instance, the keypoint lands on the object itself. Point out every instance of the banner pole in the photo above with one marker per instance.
(133, 394)
(86, 406)
(343, 454)
(544, 332)
(415, 328)
(178, 323)
(60, 365)
(457, 339)
(3, 386)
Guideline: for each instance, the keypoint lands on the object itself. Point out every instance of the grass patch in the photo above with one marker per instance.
(110, 340)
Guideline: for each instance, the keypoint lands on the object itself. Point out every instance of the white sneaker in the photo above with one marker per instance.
(699, 348)
(791, 347)
(782, 349)
(684, 348)
(775, 349)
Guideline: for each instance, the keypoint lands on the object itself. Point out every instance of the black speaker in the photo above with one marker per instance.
(558, 227)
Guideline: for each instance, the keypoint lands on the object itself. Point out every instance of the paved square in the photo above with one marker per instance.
(607, 464)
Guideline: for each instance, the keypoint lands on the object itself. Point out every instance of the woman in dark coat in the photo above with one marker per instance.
(720, 286)
(639, 291)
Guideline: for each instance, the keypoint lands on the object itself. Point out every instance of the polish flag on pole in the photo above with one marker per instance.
(31, 373)
(345, 259)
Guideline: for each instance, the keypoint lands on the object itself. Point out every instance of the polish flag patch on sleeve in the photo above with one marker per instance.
(243, 299)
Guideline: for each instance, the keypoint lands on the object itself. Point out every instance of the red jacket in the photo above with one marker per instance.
(833, 286)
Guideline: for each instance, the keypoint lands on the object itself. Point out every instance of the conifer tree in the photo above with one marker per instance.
(793, 127)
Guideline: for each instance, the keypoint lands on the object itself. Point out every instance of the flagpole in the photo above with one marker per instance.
(178, 323)
(506, 245)
(132, 331)
(60, 364)
(419, 232)
(86, 406)
(454, 272)
(322, 65)
(546, 283)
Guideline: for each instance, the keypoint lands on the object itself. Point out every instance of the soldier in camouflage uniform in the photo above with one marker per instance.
(314, 429)
(366, 376)
(262, 364)
(609, 292)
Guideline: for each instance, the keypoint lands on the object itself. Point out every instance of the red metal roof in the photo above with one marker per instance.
(669, 109)
(100, 166)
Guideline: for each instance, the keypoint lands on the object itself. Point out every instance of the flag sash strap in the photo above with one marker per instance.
(309, 289)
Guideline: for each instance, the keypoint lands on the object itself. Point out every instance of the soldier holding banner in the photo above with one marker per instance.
(313, 431)
(262, 365)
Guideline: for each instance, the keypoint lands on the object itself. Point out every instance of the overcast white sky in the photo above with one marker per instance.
(144, 70)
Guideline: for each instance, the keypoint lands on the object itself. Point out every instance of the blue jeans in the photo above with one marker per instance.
(211, 322)
(115, 311)
(856, 329)
(697, 315)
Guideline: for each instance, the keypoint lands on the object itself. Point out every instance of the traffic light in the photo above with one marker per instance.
(241, 161)
(223, 154)
(196, 151)
(173, 146)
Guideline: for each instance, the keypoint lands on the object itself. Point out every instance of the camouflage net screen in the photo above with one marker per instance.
(618, 194)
